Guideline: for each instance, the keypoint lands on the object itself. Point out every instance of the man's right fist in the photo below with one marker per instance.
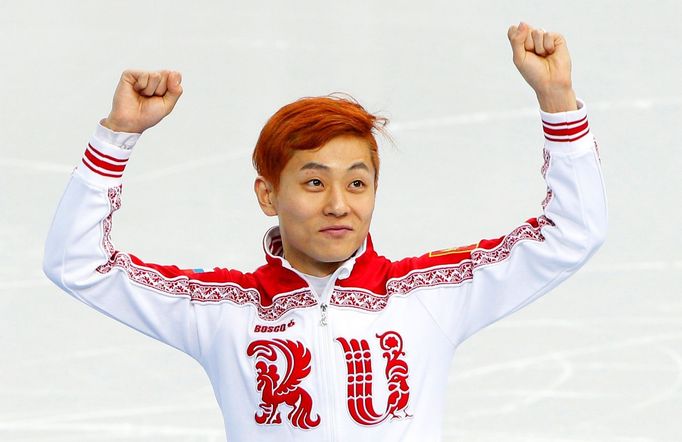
(142, 99)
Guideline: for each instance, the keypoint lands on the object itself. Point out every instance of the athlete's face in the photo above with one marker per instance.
(324, 204)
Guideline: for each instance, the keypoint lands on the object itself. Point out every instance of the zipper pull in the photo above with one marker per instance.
(323, 321)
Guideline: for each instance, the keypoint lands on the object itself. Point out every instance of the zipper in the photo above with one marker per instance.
(328, 374)
(326, 351)
(328, 367)
(323, 319)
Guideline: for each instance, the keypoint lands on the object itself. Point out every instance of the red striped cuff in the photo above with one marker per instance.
(103, 164)
(106, 156)
(564, 127)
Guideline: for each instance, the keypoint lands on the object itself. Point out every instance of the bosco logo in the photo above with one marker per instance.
(273, 328)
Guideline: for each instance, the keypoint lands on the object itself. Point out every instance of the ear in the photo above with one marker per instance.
(265, 195)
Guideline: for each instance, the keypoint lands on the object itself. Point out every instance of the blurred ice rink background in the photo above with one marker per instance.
(597, 359)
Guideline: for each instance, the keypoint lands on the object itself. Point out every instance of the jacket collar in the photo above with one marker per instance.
(274, 253)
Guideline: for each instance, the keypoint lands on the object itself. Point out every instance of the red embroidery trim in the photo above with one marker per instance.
(443, 275)
(197, 291)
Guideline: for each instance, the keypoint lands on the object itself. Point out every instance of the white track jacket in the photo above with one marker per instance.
(368, 359)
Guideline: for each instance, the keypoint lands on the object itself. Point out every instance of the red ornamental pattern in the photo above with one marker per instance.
(354, 298)
(545, 164)
(195, 290)
(543, 170)
(360, 379)
(547, 199)
(596, 148)
(444, 275)
(283, 388)
(205, 292)
(114, 195)
(357, 298)
(463, 271)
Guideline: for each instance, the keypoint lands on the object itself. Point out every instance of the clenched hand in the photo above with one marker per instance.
(142, 99)
(543, 60)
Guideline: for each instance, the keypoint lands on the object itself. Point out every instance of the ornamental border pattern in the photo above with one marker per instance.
(358, 298)
(443, 275)
(196, 291)
(545, 164)
(352, 298)
(543, 170)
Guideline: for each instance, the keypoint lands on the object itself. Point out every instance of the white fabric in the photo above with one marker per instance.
(430, 309)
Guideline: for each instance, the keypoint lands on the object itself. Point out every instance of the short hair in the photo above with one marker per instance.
(309, 123)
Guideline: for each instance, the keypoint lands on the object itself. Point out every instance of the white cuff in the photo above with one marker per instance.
(106, 156)
(567, 131)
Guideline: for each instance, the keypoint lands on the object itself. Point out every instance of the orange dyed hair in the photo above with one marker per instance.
(309, 123)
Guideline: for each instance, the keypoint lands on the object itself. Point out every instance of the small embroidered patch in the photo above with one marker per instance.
(453, 250)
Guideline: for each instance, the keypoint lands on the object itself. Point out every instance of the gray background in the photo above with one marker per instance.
(598, 359)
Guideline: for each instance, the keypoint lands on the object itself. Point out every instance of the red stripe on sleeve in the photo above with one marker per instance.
(567, 123)
(103, 164)
(565, 140)
(100, 172)
(571, 131)
(114, 159)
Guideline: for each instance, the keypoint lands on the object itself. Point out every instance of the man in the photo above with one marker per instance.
(329, 340)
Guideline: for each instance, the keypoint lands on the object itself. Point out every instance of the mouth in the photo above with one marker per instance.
(336, 231)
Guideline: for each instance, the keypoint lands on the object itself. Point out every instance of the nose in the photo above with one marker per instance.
(336, 204)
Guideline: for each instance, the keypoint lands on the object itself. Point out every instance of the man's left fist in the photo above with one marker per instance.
(543, 60)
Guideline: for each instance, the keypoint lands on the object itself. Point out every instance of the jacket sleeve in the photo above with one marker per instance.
(496, 277)
(81, 260)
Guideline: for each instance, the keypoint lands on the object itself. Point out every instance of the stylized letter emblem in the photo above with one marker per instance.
(359, 366)
(287, 390)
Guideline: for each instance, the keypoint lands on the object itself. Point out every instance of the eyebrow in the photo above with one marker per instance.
(318, 166)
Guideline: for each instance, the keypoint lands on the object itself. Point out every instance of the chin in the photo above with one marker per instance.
(340, 254)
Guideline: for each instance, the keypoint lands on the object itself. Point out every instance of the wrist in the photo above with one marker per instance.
(116, 126)
(560, 100)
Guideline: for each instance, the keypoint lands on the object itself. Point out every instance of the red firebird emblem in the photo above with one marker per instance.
(287, 391)
(359, 366)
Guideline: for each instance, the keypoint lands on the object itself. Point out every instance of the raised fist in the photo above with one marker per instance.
(543, 60)
(142, 99)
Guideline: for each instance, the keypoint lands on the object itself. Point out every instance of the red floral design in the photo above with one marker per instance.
(276, 391)
(360, 381)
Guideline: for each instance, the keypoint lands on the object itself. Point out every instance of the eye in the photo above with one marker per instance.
(358, 184)
(314, 182)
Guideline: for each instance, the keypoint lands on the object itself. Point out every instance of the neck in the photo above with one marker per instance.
(319, 269)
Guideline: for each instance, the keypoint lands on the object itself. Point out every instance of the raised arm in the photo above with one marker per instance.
(495, 277)
(79, 255)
